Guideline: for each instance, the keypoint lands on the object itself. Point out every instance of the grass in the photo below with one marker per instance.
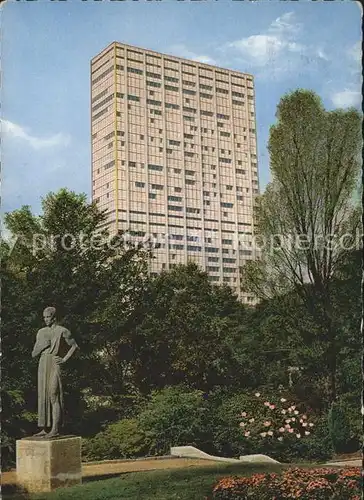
(193, 483)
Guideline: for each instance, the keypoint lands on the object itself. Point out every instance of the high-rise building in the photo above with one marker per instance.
(174, 157)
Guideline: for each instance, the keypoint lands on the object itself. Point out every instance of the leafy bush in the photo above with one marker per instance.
(248, 424)
(306, 484)
(343, 432)
(123, 439)
(175, 416)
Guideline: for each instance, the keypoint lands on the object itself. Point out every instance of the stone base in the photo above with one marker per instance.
(43, 465)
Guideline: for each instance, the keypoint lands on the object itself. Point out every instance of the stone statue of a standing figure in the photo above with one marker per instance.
(51, 342)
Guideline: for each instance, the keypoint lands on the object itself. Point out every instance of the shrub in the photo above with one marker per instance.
(123, 439)
(305, 484)
(247, 424)
(174, 416)
(343, 432)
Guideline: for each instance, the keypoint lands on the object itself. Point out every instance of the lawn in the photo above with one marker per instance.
(183, 484)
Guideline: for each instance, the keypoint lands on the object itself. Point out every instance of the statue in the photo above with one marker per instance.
(51, 341)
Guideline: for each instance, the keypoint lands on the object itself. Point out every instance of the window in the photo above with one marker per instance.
(175, 208)
(206, 113)
(226, 205)
(157, 186)
(135, 70)
(108, 165)
(153, 102)
(139, 184)
(102, 103)
(171, 79)
(174, 198)
(155, 167)
(154, 84)
(188, 91)
(153, 75)
(171, 87)
(172, 106)
(133, 98)
(205, 87)
(153, 196)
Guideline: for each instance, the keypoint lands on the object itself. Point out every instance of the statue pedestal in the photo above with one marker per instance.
(45, 464)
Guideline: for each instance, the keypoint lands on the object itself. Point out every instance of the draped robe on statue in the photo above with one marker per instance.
(50, 343)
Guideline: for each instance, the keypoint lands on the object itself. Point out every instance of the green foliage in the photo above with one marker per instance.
(123, 439)
(305, 211)
(190, 327)
(342, 431)
(174, 416)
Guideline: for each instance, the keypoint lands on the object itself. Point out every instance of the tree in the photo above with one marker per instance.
(308, 214)
(62, 258)
(188, 332)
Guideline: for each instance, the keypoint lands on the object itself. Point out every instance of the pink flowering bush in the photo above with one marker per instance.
(274, 419)
(248, 423)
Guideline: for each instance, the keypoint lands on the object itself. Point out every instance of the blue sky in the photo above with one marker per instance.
(47, 47)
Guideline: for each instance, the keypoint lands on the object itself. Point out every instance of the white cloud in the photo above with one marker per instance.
(278, 50)
(181, 50)
(277, 42)
(346, 98)
(15, 131)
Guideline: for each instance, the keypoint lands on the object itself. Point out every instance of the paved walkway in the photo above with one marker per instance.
(115, 467)
(108, 468)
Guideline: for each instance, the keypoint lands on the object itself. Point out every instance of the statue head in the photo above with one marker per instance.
(49, 315)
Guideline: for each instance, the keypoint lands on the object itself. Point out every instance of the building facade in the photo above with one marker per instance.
(174, 158)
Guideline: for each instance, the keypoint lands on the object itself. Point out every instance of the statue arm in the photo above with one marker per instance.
(39, 346)
(71, 342)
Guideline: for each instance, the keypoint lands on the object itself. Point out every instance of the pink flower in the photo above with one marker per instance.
(283, 400)
(304, 424)
(247, 433)
(270, 433)
(298, 435)
(267, 423)
(263, 434)
(257, 394)
(296, 412)
(307, 433)
(290, 430)
(287, 426)
(280, 438)
(272, 407)
(251, 420)
(293, 419)
(243, 414)
(284, 412)
(304, 417)
(310, 424)
(293, 407)
(281, 429)
(301, 421)
(242, 424)
(267, 403)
